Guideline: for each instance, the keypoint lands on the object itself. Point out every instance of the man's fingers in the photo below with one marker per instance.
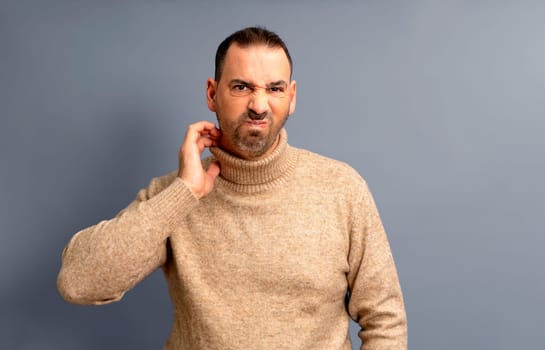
(215, 132)
(200, 129)
(201, 134)
(213, 170)
(204, 142)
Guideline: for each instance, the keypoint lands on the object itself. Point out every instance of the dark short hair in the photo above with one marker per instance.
(248, 37)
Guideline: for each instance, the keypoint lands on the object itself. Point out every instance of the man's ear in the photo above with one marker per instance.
(211, 86)
(293, 96)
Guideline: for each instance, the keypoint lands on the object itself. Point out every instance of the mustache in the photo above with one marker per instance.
(252, 115)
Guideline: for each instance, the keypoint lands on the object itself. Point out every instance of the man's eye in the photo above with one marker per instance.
(240, 87)
(276, 89)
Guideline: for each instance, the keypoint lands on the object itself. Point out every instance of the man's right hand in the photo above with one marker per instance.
(199, 136)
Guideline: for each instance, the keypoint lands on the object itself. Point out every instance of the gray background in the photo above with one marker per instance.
(438, 104)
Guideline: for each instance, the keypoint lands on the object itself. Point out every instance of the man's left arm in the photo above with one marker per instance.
(376, 301)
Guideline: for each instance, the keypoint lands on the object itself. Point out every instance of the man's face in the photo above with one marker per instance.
(252, 100)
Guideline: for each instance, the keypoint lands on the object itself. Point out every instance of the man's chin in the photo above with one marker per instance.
(252, 144)
(254, 148)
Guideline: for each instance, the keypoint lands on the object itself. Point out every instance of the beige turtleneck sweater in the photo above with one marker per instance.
(263, 262)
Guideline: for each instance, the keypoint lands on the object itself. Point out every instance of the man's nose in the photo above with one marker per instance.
(259, 101)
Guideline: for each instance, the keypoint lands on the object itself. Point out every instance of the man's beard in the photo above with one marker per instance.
(252, 143)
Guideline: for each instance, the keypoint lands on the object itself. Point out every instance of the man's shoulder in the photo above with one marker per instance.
(156, 185)
(159, 183)
(326, 167)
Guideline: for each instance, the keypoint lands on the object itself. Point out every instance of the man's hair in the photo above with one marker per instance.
(249, 37)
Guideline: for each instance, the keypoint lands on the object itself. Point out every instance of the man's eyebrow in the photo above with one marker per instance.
(281, 83)
(278, 83)
(239, 81)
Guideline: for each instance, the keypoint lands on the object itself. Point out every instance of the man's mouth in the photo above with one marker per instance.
(257, 123)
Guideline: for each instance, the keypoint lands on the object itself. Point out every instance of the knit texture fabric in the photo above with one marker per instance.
(262, 262)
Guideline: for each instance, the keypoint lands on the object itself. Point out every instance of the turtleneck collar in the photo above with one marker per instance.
(256, 175)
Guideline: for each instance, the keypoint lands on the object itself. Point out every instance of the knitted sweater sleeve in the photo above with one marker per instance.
(376, 302)
(102, 262)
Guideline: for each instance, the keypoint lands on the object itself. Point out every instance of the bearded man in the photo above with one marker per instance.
(263, 245)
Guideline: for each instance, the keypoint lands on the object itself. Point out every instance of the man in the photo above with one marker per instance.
(264, 246)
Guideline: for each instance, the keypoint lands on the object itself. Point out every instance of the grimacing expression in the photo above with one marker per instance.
(252, 99)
